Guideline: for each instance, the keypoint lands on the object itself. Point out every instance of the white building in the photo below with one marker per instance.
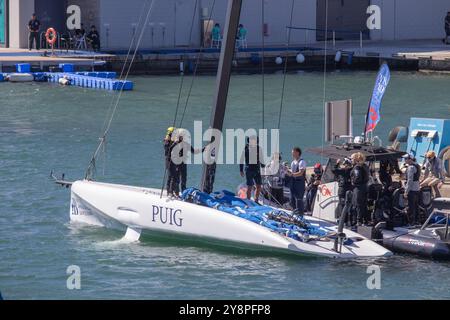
(170, 21)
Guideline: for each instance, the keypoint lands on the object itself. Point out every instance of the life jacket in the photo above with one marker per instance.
(297, 169)
(359, 175)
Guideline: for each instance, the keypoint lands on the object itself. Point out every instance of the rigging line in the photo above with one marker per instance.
(191, 85)
(286, 63)
(180, 92)
(324, 79)
(262, 62)
(133, 38)
(197, 62)
(130, 65)
(103, 137)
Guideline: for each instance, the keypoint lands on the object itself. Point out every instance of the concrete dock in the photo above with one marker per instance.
(423, 55)
(43, 59)
(429, 55)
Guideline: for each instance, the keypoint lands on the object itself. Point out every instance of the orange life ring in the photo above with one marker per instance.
(50, 36)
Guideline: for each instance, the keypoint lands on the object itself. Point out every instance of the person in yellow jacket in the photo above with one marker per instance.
(171, 170)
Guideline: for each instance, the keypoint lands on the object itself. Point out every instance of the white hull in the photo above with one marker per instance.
(142, 209)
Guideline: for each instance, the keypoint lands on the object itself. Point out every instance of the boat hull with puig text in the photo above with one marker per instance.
(145, 210)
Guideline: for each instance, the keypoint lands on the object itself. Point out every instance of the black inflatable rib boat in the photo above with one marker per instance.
(432, 240)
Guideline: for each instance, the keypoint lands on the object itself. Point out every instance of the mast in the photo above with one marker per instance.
(222, 83)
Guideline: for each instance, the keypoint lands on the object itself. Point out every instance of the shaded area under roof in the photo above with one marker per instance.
(372, 153)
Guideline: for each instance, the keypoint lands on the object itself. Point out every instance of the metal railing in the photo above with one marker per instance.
(359, 34)
(61, 44)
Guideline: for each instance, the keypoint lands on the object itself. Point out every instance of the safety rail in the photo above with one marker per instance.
(334, 32)
(58, 44)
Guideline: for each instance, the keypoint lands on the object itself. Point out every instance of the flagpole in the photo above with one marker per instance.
(367, 119)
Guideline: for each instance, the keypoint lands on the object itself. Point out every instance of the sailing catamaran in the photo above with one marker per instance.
(215, 216)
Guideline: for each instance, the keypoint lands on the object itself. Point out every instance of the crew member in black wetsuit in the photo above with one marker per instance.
(313, 184)
(182, 149)
(412, 188)
(342, 171)
(250, 166)
(171, 169)
(359, 177)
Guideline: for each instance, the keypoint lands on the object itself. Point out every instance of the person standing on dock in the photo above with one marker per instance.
(216, 37)
(33, 27)
(242, 32)
(434, 173)
(359, 177)
(241, 37)
(412, 188)
(447, 28)
(297, 182)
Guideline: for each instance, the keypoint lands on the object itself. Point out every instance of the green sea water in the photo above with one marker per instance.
(46, 127)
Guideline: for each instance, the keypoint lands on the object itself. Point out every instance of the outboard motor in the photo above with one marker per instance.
(425, 203)
(398, 212)
(374, 197)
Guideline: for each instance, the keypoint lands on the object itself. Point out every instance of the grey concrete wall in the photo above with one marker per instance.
(90, 11)
(20, 13)
(348, 16)
(171, 21)
(411, 20)
(51, 13)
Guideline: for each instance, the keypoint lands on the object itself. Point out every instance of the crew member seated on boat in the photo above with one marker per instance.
(276, 172)
(179, 153)
(342, 170)
(250, 166)
(297, 173)
(412, 188)
(434, 173)
(359, 177)
(313, 184)
(93, 38)
(387, 169)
